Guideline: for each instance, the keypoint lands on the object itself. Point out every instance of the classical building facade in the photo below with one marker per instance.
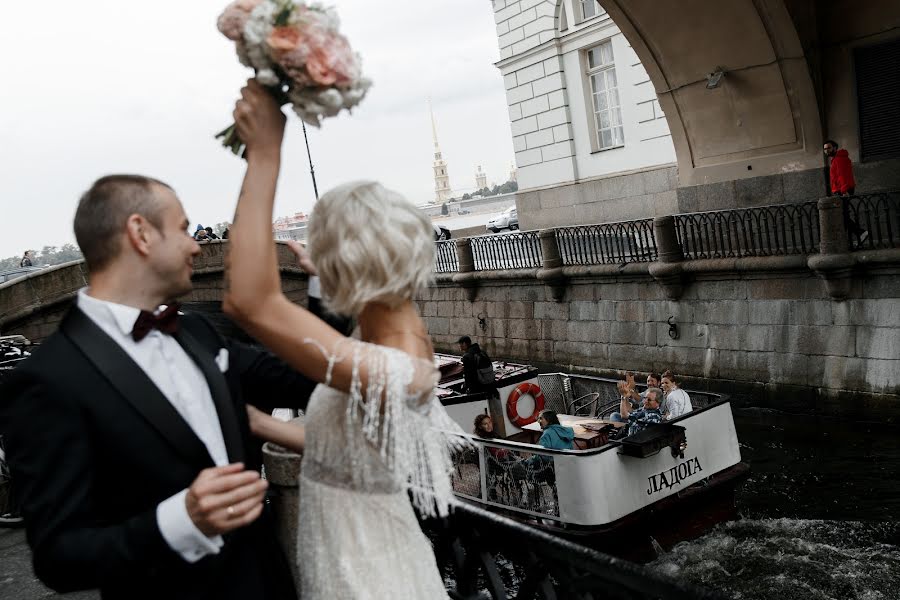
(586, 111)
(631, 109)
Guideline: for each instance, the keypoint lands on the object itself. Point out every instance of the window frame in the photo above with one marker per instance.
(588, 74)
(580, 11)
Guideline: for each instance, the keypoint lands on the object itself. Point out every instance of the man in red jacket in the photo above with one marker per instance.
(842, 184)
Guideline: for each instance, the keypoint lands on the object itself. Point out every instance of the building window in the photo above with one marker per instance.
(590, 8)
(877, 77)
(605, 97)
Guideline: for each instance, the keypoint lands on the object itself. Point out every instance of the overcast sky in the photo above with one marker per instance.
(103, 86)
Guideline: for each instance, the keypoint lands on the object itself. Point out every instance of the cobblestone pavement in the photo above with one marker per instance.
(17, 580)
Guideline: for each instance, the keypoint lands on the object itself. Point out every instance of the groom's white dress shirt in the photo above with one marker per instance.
(180, 380)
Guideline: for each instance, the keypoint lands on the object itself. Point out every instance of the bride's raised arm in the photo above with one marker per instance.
(253, 295)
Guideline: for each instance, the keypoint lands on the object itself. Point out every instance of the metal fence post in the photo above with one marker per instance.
(834, 264)
(667, 270)
(551, 271)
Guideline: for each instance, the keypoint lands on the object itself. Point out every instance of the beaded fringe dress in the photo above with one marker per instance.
(358, 535)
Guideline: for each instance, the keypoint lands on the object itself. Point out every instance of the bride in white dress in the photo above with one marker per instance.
(374, 430)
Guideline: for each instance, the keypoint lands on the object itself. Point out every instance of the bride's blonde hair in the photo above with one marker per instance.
(369, 244)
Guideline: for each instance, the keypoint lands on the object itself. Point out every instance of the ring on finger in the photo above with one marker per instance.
(230, 511)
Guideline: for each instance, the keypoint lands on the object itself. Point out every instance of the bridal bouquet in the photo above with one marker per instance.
(298, 53)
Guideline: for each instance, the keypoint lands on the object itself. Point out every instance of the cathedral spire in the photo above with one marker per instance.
(437, 149)
(442, 191)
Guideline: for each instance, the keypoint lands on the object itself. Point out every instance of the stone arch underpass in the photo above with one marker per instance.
(793, 73)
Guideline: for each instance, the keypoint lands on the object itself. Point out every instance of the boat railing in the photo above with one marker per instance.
(512, 475)
(561, 389)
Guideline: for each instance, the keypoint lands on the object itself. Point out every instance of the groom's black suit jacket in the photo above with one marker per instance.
(94, 447)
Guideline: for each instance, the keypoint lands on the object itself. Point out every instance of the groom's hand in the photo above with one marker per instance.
(260, 122)
(303, 258)
(222, 499)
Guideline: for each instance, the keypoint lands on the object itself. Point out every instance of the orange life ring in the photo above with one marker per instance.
(512, 403)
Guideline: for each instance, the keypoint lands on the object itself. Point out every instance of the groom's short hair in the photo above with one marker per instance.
(104, 209)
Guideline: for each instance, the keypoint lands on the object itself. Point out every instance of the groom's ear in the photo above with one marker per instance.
(137, 232)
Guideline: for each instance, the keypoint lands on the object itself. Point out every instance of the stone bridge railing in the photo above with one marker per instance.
(769, 238)
(34, 304)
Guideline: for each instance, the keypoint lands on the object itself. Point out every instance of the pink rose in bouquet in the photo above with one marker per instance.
(331, 61)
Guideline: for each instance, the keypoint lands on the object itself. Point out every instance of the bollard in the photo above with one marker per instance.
(834, 264)
(832, 229)
(551, 272)
(464, 255)
(667, 270)
(282, 473)
(466, 275)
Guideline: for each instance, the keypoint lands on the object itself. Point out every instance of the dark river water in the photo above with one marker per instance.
(820, 514)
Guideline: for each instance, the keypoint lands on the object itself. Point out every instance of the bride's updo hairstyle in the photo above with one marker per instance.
(369, 244)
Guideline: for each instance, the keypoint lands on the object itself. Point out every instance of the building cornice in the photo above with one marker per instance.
(546, 50)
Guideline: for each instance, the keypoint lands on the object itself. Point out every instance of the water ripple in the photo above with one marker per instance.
(792, 559)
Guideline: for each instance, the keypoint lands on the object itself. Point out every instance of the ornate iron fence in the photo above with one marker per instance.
(764, 231)
(877, 214)
(607, 243)
(483, 555)
(507, 251)
(445, 259)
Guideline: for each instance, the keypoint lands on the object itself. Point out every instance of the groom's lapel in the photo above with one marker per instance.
(218, 389)
(134, 386)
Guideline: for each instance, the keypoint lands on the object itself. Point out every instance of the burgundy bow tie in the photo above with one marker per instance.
(166, 321)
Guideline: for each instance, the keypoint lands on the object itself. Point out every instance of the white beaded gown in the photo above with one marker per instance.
(358, 536)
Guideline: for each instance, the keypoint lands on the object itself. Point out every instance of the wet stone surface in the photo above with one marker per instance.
(17, 580)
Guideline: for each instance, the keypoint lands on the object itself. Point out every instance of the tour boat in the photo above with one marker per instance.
(622, 495)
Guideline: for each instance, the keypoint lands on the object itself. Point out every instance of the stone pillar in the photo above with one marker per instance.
(832, 230)
(834, 264)
(464, 255)
(551, 271)
(282, 473)
(668, 268)
(466, 275)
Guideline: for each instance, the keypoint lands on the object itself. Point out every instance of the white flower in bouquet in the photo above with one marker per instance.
(297, 52)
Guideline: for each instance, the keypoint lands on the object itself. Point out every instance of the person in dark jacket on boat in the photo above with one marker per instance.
(474, 359)
(639, 419)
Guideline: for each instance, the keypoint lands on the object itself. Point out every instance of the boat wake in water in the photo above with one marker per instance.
(791, 559)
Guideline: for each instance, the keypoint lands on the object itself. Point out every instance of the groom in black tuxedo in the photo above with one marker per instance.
(127, 432)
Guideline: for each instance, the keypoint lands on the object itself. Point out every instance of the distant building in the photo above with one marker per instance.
(442, 190)
(513, 176)
(480, 179)
(292, 227)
